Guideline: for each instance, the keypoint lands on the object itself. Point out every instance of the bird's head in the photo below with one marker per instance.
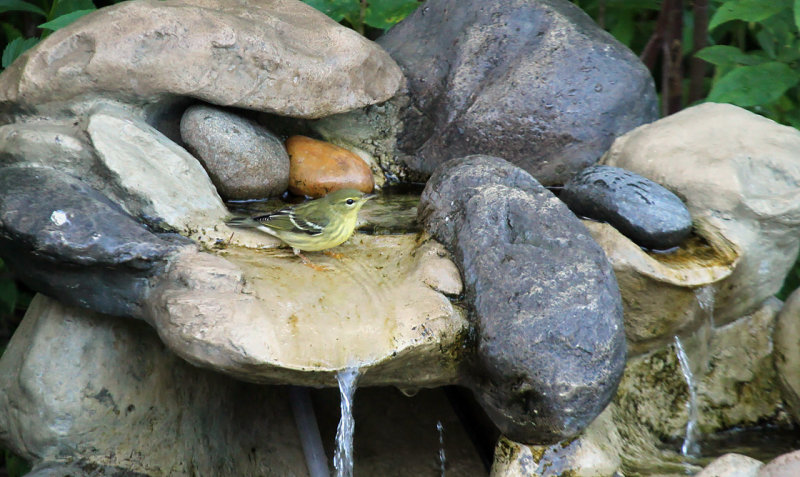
(347, 201)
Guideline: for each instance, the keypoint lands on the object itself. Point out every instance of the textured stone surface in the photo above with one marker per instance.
(168, 185)
(319, 167)
(594, 453)
(787, 353)
(732, 465)
(244, 160)
(787, 465)
(537, 83)
(642, 210)
(74, 384)
(742, 190)
(66, 239)
(663, 294)
(739, 389)
(547, 310)
(734, 371)
(263, 316)
(279, 56)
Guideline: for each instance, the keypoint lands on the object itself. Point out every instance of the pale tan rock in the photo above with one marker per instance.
(739, 386)
(318, 167)
(595, 453)
(737, 172)
(732, 465)
(662, 294)
(263, 316)
(161, 178)
(733, 371)
(279, 56)
(786, 465)
(787, 353)
(79, 386)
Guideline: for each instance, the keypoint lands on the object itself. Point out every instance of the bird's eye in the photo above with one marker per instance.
(349, 202)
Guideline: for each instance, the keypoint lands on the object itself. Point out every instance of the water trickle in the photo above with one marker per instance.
(343, 458)
(442, 459)
(690, 445)
(705, 298)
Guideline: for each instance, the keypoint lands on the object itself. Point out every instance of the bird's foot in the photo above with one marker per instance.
(308, 263)
(336, 255)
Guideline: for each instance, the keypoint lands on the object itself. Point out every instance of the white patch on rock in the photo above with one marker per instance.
(59, 217)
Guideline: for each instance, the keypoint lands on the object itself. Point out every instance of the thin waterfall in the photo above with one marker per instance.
(690, 445)
(442, 459)
(343, 458)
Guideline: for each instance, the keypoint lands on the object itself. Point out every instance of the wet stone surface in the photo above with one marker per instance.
(545, 303)
(642, 210)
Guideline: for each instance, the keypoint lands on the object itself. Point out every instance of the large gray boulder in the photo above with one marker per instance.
(548, 313)
(537, 83)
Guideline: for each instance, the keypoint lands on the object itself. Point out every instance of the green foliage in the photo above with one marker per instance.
(760, 70)
(17, 47)
(378, 14)
(15, 466)
(56, 14)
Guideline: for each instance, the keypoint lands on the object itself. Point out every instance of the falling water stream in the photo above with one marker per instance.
(442, 459)
(343, 458)
(689, 447)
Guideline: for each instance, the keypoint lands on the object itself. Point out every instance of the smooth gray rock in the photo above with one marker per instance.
(67, 240)
(545, 303)
(639, 208)
(244, 160)
(537, 83)
(81, 388)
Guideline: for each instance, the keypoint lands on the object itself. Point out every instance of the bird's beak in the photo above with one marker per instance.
(368, 197)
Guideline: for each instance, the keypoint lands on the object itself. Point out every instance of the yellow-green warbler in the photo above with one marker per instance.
(314, 225)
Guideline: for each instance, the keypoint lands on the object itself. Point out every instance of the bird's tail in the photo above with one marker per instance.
(242, 222)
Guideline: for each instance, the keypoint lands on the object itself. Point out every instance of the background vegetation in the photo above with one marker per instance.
(743, 52)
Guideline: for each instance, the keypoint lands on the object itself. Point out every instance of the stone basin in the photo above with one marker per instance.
(264, 316)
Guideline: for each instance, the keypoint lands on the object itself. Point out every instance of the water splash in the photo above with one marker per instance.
(343, 458)
(690, 445)
(705, 298)
(442, 459)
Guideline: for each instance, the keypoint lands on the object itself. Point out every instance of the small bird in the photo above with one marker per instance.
(314, 225)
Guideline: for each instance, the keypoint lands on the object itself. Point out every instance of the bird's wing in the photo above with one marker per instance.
(288, 221)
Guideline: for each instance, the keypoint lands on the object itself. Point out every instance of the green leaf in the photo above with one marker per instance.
(754, 85)
(8, 296)
(797, 14)
(15, 48)
(10, 31)
(719, 55)
(20, 6)
(624, 28)
(385, 13)
(747, 10)
(63, 7)
(64, 20)
(337, 9)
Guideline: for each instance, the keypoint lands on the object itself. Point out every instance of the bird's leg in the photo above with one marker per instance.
(336, 255)
(307, 262)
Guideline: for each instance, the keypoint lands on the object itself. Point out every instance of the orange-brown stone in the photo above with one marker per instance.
(318, 167)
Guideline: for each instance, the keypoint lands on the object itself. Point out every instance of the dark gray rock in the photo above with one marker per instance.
(639, 208)
(537, 83)
(244, 160)
(545, 303)
(69, 241)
